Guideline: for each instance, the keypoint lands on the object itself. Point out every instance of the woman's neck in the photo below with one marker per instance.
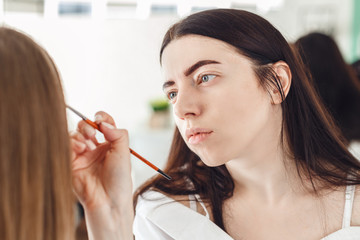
(267, 175)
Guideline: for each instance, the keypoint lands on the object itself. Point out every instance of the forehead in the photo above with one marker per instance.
(186, 50)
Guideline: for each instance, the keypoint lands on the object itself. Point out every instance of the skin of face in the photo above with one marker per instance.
(219, 107)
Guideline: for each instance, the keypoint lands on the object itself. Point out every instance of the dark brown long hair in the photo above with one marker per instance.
(334, 79)
(312, 139)
(36, 200)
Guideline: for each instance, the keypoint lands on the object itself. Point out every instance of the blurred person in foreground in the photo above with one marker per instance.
(336, 83)
(37, 168)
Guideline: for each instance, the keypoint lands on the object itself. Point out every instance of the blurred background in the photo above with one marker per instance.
(107, 52)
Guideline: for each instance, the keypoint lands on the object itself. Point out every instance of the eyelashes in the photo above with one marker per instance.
(206, 78)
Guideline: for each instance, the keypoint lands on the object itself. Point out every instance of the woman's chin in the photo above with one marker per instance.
(213, 162)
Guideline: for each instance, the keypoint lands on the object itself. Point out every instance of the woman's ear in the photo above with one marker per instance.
(283, 73)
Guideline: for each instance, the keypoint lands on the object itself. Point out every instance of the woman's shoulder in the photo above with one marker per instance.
(154, 214)
(355, 220)
(152, 200)
(162, 216)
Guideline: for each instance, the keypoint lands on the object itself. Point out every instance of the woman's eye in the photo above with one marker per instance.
(206, 78)
(172, 95)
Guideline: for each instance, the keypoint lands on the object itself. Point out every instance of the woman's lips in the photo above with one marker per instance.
(196, 135)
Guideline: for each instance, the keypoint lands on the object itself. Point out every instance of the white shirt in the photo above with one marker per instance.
(159, 217)
(354, 148)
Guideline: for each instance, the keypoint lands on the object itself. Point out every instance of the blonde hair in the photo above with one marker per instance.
(36, 200)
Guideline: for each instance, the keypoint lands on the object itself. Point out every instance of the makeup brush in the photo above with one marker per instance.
(94, 125)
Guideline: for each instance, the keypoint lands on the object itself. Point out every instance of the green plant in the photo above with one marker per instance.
(159, 104)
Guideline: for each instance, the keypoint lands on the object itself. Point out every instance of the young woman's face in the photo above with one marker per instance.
(219, 107)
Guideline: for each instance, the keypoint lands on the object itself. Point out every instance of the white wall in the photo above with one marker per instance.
(113, 65)
(110, 65)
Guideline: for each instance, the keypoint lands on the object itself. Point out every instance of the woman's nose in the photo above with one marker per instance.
(187, 105)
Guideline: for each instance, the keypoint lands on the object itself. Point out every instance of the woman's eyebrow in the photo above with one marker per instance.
(200, 63)
(168, 84)
(190, 70)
